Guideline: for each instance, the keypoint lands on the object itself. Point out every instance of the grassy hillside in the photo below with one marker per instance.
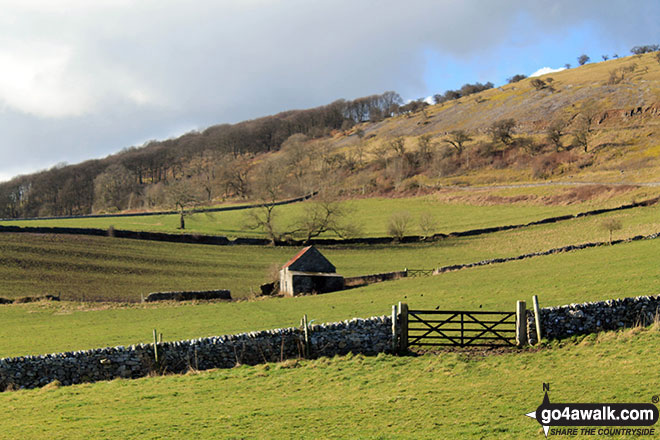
(452, 210)
(593, 274)
(618, 100)
(622, 147)
(452, 395)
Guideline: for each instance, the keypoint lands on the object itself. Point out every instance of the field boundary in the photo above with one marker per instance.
(559, 250)
(220, 240)
(152, 213)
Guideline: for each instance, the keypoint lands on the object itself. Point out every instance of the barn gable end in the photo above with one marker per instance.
(310, 260)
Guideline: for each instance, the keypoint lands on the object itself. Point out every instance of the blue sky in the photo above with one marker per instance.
(520, 55)
(82, 80)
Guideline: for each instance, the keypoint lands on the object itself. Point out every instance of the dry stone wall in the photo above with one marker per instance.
(188, 295)
(591, 317)
(367, 336)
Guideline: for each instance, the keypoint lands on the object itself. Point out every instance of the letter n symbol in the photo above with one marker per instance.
(546, 386)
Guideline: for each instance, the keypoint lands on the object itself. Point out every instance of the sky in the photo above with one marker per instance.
(83, 79)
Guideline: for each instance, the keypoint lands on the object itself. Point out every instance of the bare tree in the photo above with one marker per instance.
(324, 214)
(202, 168)
(584, 126)
(554, 133)
(611, 225)
(181, 195)
(113, 187)
(427, 224)
(398, 145)
(457, 139)
(233, 173)
(538, 84)
(399, 224)
(297, 160)
(268, 189)
(502, 131)
(516, 78)
(425, 147)
(583, 59)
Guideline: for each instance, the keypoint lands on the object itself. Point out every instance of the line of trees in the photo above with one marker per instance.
(215, 157)
(465, 90)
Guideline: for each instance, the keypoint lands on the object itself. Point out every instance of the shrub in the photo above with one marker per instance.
(516, 78)
(427, 224)
(538, 84)
(399, 224)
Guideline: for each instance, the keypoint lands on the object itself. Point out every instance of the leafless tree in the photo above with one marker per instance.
(583, 130)
(611, 225)
(502, 131)
(583, 59)
(398, 145)
(183, 194)
(427, 224)
(233, 174)
(425, 144)
(323, 214)
(554, 133)
(268, 189)
(457, 139)
(112, 187)
(399, 224)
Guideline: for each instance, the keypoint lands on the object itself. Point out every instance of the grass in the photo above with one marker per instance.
(588, 275)
(100, 268)
(450, 395)
(452, 212)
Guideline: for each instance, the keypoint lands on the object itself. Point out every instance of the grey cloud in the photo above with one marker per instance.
(152, 67)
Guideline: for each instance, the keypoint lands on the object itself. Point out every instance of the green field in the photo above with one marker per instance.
(592, 274)
(370, 215)
(101, 268)
(451, 395)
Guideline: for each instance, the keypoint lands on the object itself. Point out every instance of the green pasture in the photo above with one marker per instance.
(112, 269)
(448, 395)
(371, 216)
(588, 275)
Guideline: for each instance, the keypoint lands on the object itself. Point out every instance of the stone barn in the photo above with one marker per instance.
(309, 272)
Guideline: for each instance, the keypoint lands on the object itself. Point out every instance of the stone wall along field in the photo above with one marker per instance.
(591, 317)
(188, 295)
(367, 336)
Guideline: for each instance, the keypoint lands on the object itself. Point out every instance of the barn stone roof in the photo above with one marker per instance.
(310, 259)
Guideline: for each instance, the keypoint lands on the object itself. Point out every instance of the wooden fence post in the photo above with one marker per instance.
(395, 338)
(403, 325)
(156, 346)
(537, 318)
(305, 329)
(521, 323)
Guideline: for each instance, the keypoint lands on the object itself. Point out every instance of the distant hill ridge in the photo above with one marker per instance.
(604, 115)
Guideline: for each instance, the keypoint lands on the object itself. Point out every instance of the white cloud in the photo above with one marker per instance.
(34, 80)
(545, 71)
(81, 79)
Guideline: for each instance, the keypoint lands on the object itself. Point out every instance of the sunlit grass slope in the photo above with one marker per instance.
(588, 275)
(450, 395)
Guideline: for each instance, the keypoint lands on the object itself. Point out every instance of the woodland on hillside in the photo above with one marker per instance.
(370, 145)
